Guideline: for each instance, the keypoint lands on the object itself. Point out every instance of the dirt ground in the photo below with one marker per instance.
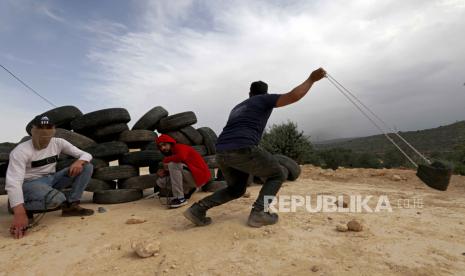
(410, 240)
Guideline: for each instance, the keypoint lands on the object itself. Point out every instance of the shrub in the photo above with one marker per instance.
(368, 160)
(334, 158)
(286, 139)
(393, 158)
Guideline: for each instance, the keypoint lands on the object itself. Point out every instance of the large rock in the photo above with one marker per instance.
(146, 248)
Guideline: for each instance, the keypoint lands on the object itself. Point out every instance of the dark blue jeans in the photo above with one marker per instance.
(236, 166)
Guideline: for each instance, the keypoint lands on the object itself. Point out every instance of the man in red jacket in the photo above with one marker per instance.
(183, 167)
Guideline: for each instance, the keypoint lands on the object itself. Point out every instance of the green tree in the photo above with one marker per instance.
(393, 159)
(286, 139)
(459, 159)
(368, 160)
(334, 158)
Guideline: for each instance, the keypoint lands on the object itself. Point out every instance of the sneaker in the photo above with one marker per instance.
(74, 210)
(261, 218)
(197, 215)
(177, 202)
(190, 193)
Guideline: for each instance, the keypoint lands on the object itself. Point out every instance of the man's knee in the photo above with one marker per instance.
(174, 166)
(278, 175)
(88, 168)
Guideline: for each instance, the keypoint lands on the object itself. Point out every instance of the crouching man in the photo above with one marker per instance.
(183, 170)
(32, 183)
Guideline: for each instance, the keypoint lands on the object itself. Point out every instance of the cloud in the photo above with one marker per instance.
(202, 56)
(47, 11)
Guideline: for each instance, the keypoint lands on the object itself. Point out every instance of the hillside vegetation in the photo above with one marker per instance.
(445, 143)
(440, 140)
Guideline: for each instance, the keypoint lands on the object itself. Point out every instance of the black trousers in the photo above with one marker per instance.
(236, 166)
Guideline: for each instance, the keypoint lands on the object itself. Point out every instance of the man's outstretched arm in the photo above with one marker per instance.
(300, 91)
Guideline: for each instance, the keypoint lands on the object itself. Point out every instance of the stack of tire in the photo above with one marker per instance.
(5, 149)
(105, 134)
(180, 127)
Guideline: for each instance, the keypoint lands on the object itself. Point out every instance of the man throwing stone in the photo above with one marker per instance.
(32, 182)
(239, 156)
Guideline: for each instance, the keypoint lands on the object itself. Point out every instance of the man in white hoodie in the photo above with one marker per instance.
(32, 182)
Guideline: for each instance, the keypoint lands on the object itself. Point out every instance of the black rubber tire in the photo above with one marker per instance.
(100, 118)
(117, 196)
(108, 151)
(61, 164)
(106, 139)
(150, 120)
(262, 180)
(177, 121)
(115, 172)
(3, 169)
(96, 185)
(143, 158)
(214, 186)
(192, 134)
(24, 139)
(153, 169)
(7, 146)
(4, 157)
(63, 157)
(5, 149)
(250, 180)
(137, 138)
(292, 166)
(259, 180)
(2, 186)
(61, 116)
(211, 161)
(219, 175)
(209, 139)
(202, 150)
(74, 138)
(139, 182)
(285, 172)
(97, 163)
(103, 132)
(151, 146)
(179, 137)
(212, 174)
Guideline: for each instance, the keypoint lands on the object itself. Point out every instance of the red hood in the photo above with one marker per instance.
(165, 139)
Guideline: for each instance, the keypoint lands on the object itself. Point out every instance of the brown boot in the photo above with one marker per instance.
(74, 210)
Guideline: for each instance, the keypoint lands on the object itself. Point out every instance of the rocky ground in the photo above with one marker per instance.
(423, 235)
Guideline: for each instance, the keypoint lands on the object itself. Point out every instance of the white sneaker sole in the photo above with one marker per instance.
(178, 205)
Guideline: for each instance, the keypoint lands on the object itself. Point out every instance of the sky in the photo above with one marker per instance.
(404, 59)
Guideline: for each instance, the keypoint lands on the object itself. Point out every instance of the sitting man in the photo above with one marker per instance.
(32, 182)
(183, 168)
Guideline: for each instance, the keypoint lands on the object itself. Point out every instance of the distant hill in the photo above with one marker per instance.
(442, 139)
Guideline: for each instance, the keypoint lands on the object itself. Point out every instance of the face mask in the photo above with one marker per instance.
(41, 137)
